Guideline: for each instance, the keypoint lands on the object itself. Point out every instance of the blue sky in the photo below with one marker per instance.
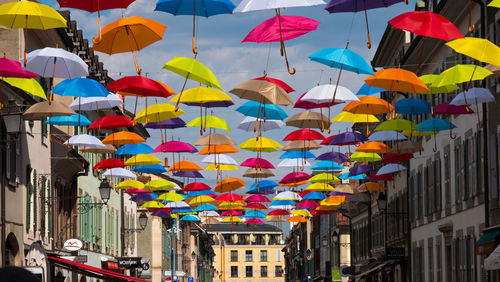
(220, 49)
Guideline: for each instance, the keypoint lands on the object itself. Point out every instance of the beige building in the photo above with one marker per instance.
(247, 252)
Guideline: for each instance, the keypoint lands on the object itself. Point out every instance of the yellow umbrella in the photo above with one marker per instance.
(477, 48)
(157, 113)
(350, 117)
(324, 178)
(130, 184)
(232, 219)
(460, 74)
(231, 206)
(171, 197)
(260, 144)
(419, 133)
(221, 167)
(210, 122)
(320, 187)
(29, 85)
(142, 159)
(152, 204)
(494, 3)
(303, 213)
(201, 200)
(429, 79)
(200, 95)
(365, 157)
(159, 184)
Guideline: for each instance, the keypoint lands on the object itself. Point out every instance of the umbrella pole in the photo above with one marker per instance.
(135, 108)
(258, 114)
(52, 81)
(282, 44)
(137, 68)
(369, 43)
(435, 143)
(477, 114)
(201, 119)
(195, 49)
(469, 85)
(25, 40)
(180, 94)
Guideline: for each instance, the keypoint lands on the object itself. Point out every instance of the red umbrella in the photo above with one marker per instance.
(257, 198)
(232, 213)
(109, 163)
(396, 158)
(327, 140)
(311, 105)
(305, 192)
(304, 134)
(279, 29)
(294, 177)
(447, 109)
(196, 186)
(229, 197)
(175, 146)
(139, 86)
(255, 206)
(278, 82)
(279, 212)
(110, 122)
(316, 212)
(382, 177)
(428, 24)
(257, 162)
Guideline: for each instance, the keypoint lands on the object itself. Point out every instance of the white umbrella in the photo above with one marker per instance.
(67, 65)
(324, 94)
(96, 103)
(209, 214)
(293, 163)
(85, 140)
(390, 168)
(473, 96)
(248, 124)
(381, 136)
(255, 5)
(288, 195)
(282, 207)
(119, 173)
(219, 159)
(177, 205)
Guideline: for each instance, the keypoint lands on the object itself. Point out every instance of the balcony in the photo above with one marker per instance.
(259, 242)
(242, 242)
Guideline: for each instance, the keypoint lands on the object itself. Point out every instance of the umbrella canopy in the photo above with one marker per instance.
(297, 155)
(435, 124)
(301, 145)
(301, 104)
(426, 23)
(139, 86)
(371, 186)
(210, 122)
(288, 195)
(374, 147)
(28, 85)
(134, 149)
(395, 79)
(396, 125)
(205, 207)
(218, 149)
(460, 74)
(265, 184)
(255, 206)
(158, 185)
(325, 94)
(166, 124)
(304, 134)
(229, 197)
(253, 5)
(278, 82)
(260, 111)
(119, 173)
(258, 173)
(257, 199)
(185, 166)
(320, 187)
(298, 162)
(175, 146)
(73, 120)
(196, 186)
(232, 219)
(357, 170)
(474, 96)
(390, 168)
(157, 113)
(201, 96)
(12, 69)
(219, 159)
(447, 109)
(430, 79)
(156, 168)
(190, 174)
(257, 162)
(142, 159)
(350, 117)
(324, 178)
(342, 58)
(303, 213)
(366, 89)
(263, 92)
(46, 109)
(80, 87)
(110, 122)
(109, 149)
(232, 213)
(309, 120)
(56, 62)
(412, 106)
(214, 139)
(477, 48)
(123, 138)
(291, 26)
(192, 69)
(365, 157)
(84, 140)
(381, 136)
(255, 214)
(396, 158)
(201, 200)
(347, 138)
(260, 144)
(248, 124)
(296, 218)
(333, 157)
(369, 105)
(130, 184)
(190, 217)
(229, 184)
(382, 177)
(109, 163)
(144, 197)
(307, 204)
(295, 177)
(96, 103)
(327, 165)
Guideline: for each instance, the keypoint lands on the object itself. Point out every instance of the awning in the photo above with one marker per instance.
(492, 262)
(92, 271)
(486, 244)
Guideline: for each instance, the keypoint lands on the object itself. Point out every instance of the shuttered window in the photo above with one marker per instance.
(447, 178)
(35, 210)
(437, 183)
(28, 197)
(458, 170)
(42, 204)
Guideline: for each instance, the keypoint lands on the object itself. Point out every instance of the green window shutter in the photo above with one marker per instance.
(44, 127)
(92, 225)
(112, 227)
(34, 200)
(99, 227)
(42, 203)
(117, 233)
(49, 227)
(28, 197)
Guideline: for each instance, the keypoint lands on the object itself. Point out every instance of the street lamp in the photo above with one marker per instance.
(193, 255)
(105, 191)
(12, 116)
(335, 237)
(143, 220)
(308, 254)
(382, 201)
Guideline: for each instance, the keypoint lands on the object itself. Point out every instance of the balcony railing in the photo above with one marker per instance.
(259, 242)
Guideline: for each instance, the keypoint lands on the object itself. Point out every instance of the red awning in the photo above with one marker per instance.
(80, 267)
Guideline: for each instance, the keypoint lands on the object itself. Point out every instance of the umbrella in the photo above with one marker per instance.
(374, 147)
(175, 146)
(303, 213)
(84, 140)
(278, 82)
(128, 35)
(295, 177)
(260, 144)
(300, 145)
(342, 59)
(371, 186)
(369, 105)
(255, 214)
(96, 103)
(201, 200)
(202, 96)
(177, 205)
(320, 187)
(327, 92)
(159, 184)
(412, 106)
(232, 219)
(167, 124)
(258, 173)
(171, 196)
(357, 170)
(216, 149)
(210, 122)
(430, 79)
(347, 138)
(29, 85)
(248, 124)
(396, 125)
(12, 69)
(257, 198)
(396, 79)
(356, 118)
(297, 162)
(396, 158)
(161, 214)
(301, 104)
(156, 168)
(262, 188)
(327, 165)
(192, 194)
(142, 159)
(365, 157)
(123, 138)
(460, 74)
(253, 5)
(214, 139)
(263, 92)
(205, 207)
(435, 125)
(381, 136)
(447, 109)
(280, 211)
(307, 204)
(204, 8)
(157, 113)
(219, 159)
(279, 29)
(109, 163)
(407, 147)
(324, 178)
(368, 90)
(190, 174)
(257, 162)
(30, 15)
(232, 213)
(73, 120)
(297, 155)
(390, 168)
(340, 6)
(255, 206)
(108, 149)
(314, 196)
(477, 48)
(134, 149)
(304, 134)
(151, 204)
(110, 122)
(262, 111)
(139, 86)
(296, 218)
(475, 95)
(229, 184)
(309, 120)
(144, 197)
(80, 87)
(119, 173)
(130, 184)
(184, 166)
(333, 157)
(229, 197)
(382, 177)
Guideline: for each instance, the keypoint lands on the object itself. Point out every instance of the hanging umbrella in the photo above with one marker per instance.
(366, 89)
(156, 168)
(327, 165)
(305, 154)
(304, 134)
(390, 168)
(382, 177)
(12, 69)
(80, 87)
(382, 136)
(196, 186)
(219, 159)
(214, 139)
(229, 197)
(261, 111)
(130, 184)
(205, 207)
(300, 145)
(119, 173)
(342, 59)
(201, 200)
(202, 97)
(260, 144)
(288, 195)
(205, 8)
(430, 79)
(280, 29)
(109, 149)
(232, 213)
(167, 124)
(218, 149)
(307, 204)
(426, 23)
(258, 173)
(257, 162)
(396, 158)
(374, 147)
(477, 48)
(396, 125)
(96, 103)
(342, 6)
(460, 74)
(254, 214)
(365, 157)
(314, 196)
(348, 138)
(144, 197)
(142, 159)
(324, 178)
(232, 219)
(320, 187)
(263, 92)
(190, 174)
(396, 79)
(369, 105)
(84, 140)
(296, 218)
(303, 213)
(157, 113)
(333, 157)
(177, 205)
(307, 105)
(447, 109)
(253, 5)
(134, 149)
(412, 106)
(435, 125)
(350, 117)
(474, 96)
(248, 124)
(175, 146)
(108, 163)
(158, 185)
(371, 186)
(309, 120)
(139, 86)
(357, 170)
(185, 166)
(298, 162)
(73, 120)
(295, 177)
(28, 85)
(325, 94)
(110, 122)
(278, 82)
(210, 122)
(255, 206)
(229, 184)
(123, 138)
(257, 199)
(192, 194)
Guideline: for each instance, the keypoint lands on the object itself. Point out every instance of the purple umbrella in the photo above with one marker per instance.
(161, 213)
(167, 124)
(337, 193)
(348, 138)
(190, 174)
(357, 170)
(341, 6)
(333, 157)
(447, 109)
(144, 197)
(215, 104)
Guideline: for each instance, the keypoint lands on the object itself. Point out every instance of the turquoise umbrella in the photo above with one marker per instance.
(327, 165)
(69, 120)
(205, 207)
(341, 58)
(270, 111)
(254, 214)
(190, 217)
(369, 90)
(436, 124)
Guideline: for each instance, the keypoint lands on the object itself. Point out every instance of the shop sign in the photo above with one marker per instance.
(72, 245)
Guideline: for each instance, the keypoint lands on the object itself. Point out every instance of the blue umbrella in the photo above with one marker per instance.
(283, 203)
(263, 187)
(327, 165)
(347, 138)
(255, 214)
(297, 155)
(412, 106)
(134, 149)
(381, 136)
(144, 197)
(184, 210)
(251, 108)
(205, 207)
(342, 58)
(390, 168)
(436, 124)
(69, 120)
(156, 168)
(345, 175)
(369, 90)
(360, 169)
(192, 194)
(314, 196)
(255, 190)
(333, 157)
(80, 87)
(161, 213)
(190, 217)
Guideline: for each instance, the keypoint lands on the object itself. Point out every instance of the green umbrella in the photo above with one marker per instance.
(365, 157)
(396, 125)
(429, 80)
(29, 85)
(324, 178)
(210, 122)
(460, 74)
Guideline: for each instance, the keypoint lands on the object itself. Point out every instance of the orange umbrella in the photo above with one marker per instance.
(294, 184)
(371, 186)
(129, 35)
(185, 166)
(396, 79)
(327, 208)
(123, 138)
(229, 184)
(333, 200)
(374, 147)
(369, 105)
(218, 149)
(296, 218)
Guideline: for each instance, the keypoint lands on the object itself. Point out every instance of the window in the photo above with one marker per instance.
(263, 271)
(263, 255)
(28, 197)
(277, 255)
(248, 271)
(234, 271)
(430, 254)
(248, 255)
(228, 239)
(447, 176)
(278, 271)
(234, 255)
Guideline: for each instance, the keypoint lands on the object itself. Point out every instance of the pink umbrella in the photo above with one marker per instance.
(310, 105)
(253, 221)
(232, 213)
(279, 29)
(229, 197)
(294, 177)
(175, 147)
(447, 109)
(257, 162)
(278, 212)
(11, 68)
(257, 198)
(307, 204)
